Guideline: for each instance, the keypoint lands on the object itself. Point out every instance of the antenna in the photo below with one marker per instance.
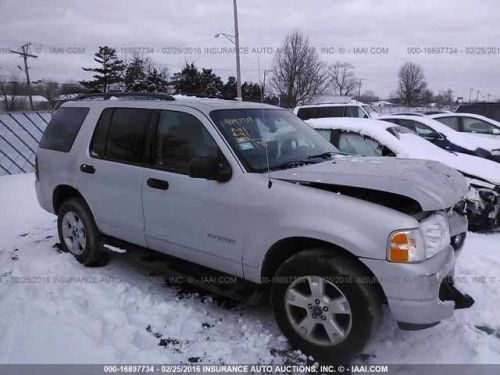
(269, 181)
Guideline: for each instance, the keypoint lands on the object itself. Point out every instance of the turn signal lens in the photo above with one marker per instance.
(405, 247)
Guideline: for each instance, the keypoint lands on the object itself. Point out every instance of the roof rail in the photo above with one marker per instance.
(126, 95)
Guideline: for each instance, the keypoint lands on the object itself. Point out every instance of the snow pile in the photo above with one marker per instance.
(56, 311)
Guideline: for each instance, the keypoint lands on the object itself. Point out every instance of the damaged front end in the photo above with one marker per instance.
(483, 205)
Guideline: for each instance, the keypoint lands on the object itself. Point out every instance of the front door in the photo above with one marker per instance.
(194, 219)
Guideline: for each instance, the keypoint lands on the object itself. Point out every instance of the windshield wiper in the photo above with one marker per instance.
(292, 164)
(323, 155)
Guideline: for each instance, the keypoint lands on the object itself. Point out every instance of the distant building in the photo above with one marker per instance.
(381, 103)
(22, 102)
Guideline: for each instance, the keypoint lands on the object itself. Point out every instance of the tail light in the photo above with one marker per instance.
(37, 176)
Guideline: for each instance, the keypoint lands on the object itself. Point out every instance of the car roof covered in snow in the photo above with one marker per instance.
(469, 141)
(349, 123)
(464, 114)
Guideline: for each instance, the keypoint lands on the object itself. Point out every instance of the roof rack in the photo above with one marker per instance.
(118, 95)
(126, 95)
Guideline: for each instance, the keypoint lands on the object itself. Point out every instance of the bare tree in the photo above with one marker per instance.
(368, 96)
(342, 78)
(8, 92)
(411, 84)
(297, 73)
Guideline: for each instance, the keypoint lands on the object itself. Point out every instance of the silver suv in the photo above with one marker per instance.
(252, 191)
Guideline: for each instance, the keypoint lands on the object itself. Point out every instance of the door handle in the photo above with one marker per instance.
(86, 168)
(157, 184)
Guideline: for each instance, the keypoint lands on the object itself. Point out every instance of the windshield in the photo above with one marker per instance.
(370, 110)
(288, 139)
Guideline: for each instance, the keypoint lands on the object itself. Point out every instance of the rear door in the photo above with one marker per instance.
(110, 175)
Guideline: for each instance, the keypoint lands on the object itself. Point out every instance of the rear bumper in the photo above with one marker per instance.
(43, 200)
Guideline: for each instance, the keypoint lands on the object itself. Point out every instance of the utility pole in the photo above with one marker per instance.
(359, 86)
(25, 54)
(237, 45)
(477, 96)
(264, 84)
(470, 94)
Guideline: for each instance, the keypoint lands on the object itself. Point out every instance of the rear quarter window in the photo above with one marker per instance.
(63, 128)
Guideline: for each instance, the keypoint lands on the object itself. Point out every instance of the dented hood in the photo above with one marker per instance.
(433, 185)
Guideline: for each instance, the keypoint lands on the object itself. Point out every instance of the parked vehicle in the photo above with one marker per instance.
(306, 112)
(417, 114)
(447, 138)
(470, 123)
(252, 191)
(434, 112)
(381, 138)
(490, 110)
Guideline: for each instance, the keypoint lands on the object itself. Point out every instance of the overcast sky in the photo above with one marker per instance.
(66, 33)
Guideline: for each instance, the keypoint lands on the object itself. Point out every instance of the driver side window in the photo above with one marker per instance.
(180, 138)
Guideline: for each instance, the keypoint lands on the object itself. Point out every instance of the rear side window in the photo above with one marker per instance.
(121, 135)
(451, 122)
(320, 112)
(494, 112)
(63, 128)
(352, 111)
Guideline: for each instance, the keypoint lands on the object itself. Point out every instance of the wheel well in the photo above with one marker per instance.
(288, 247)
(63, 193)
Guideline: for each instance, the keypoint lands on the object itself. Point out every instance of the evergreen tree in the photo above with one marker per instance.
(251, 92)
(108, 73)
(187, 81)
(211, 84)
(191, 81)
(156, 80)
(135, 76)
(229, 89)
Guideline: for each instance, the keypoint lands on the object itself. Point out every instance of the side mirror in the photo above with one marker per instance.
(210, 168)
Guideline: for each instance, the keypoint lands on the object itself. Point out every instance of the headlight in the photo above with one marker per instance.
(406, 246)
(416, 245)
(436, 233)
(487, 195)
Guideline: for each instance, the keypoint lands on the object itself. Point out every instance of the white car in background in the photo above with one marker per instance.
(447, 138)
(327, 110)
(470, 123)
(375, 138)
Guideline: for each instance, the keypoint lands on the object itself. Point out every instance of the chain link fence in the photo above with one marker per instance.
(20, 133)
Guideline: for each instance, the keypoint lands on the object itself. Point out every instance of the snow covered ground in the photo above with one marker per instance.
(53, 310)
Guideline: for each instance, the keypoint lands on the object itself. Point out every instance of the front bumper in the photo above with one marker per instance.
(412, 290)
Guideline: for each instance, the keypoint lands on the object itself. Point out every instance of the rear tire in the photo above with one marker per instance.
(333, 325)
(78, 233)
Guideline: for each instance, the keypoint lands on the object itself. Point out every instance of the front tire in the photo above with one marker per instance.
(325, 305)
(78, 233)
